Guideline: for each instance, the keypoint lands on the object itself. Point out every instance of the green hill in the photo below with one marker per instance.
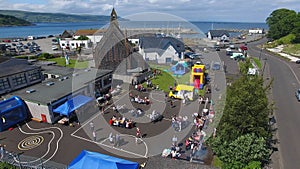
(7, 20)
(35, 17)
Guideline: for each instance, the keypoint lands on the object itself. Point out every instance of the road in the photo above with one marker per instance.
(286, 110)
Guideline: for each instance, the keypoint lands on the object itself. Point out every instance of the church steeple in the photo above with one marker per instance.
(113, 15)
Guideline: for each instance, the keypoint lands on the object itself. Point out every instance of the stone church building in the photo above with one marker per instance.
(114, 52)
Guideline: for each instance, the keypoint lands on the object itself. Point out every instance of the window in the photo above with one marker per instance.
(168, 60)
(19, 79)
(34, 75)
(4, 84)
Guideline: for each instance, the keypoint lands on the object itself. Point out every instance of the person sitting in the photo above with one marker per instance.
(117, 122)
(129, 124)
(175, 154)
(136, 99)
(122, 122)
(139, 112)
(110, 122)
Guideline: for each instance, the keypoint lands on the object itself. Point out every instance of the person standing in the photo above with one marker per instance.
(174, 140)
(117, 143)
(2, 151)
(138, 135)
(171, 103)
(92, 126)
(94, 136)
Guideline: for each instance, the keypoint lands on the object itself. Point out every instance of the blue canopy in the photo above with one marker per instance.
(72, 104)
(88, 159)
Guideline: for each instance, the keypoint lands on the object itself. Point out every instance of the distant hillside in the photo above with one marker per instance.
(53, 17)
(7, 20)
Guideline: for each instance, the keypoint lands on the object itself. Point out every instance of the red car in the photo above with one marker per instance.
(6, 40)
(243, 47)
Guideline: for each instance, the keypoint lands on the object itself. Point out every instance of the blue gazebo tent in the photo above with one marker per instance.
(72, 104)
(88, 159)
(12, 111)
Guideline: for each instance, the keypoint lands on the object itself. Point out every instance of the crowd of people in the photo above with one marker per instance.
(139, 100)
(179, 122)
(121, 122)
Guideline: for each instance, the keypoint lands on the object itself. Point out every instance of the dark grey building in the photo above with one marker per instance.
(18, 73)
(63, 84)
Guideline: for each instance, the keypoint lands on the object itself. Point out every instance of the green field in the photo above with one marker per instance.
(73, 63)
(257, 62)
(292, 49)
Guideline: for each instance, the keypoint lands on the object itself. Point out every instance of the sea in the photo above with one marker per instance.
(46, 29)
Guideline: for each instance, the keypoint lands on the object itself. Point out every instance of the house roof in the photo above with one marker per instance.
(159, 44)
(14, 66)
(45, 94)
(85, 32)
(67, 34)
(219, 33)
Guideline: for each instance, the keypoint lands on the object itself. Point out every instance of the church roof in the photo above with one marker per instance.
(113, 48)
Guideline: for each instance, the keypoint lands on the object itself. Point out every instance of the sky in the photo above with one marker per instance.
(190, 10)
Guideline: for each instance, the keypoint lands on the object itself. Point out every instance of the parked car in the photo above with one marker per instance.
(298, 94)
(298, 61)
(216, 66)
(54, 48)
(207, 66)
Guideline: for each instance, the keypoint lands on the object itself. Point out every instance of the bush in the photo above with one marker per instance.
(7, 166)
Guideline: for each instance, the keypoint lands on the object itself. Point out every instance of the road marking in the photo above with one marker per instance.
(48, 147)
(30, 142)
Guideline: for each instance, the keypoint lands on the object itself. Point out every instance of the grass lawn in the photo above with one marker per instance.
(73, 63)
(164, 80)
(292, 49)
(257, 62)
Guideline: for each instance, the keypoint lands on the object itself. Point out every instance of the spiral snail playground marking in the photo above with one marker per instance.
(30, 142)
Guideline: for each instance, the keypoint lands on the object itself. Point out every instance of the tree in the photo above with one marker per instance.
(281, 23)
(245, 151)
(82, 37)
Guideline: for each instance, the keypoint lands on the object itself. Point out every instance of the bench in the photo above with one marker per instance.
(36, 119)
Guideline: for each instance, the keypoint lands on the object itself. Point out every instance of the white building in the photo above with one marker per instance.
(161, 50)
(256, 31)
(73, 44)
(220, 35)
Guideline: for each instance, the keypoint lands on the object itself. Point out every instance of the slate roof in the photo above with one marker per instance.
(113, 48)
(14, 66)
(67, 34)
(219, 33)
(160, 44)
(45, 94)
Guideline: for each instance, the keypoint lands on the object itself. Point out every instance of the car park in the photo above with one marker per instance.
(298, 94)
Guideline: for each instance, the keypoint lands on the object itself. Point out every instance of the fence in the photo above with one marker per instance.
(25, 162)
